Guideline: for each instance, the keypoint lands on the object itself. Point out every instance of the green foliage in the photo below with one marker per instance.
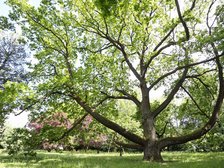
(20, 141)
(92, 53)
(106, 6)
(5, 23)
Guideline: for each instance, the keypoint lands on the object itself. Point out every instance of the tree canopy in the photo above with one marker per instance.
(90, 54)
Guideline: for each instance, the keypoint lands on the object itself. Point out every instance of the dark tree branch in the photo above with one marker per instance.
(201, 74)
(212, 120)
(64, 44)
(164, 39)
(169, 98)
(155, 55)
(197, 76)
(194, 101)
(121, 47)
(115, 43)
(104, 47)
(182, 67)
(55, 69)
(163, 130)
(43, 99)
(68, 65)
(115, 97)
(193, 5)
(54, 48)
(207, 18)
(132, 97)
(182, 20)
(46, 28)
(122, 27)
(125, 97)
(67, 132)
(129, 146)
(206, 86)
(106, 122)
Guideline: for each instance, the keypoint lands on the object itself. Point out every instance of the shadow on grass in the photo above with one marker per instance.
(112, 160)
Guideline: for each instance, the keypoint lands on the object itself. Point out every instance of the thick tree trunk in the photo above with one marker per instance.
(152, 152)
(151, 149)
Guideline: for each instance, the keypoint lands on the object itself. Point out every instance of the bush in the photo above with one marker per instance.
(20, 141)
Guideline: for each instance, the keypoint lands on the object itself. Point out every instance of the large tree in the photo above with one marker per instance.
(93, 53)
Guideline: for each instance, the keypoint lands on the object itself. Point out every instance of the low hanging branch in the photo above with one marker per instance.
(109, 124)
(130, 146)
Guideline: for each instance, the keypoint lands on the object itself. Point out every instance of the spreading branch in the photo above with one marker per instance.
(106, 122)
(131, 97)
(183, 67)
(170, 43)
(212, 119)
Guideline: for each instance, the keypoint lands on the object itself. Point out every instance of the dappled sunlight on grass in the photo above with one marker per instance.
(193, 157)
(112, 160)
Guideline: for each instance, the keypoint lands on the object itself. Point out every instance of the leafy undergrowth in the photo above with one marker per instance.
(111, 160)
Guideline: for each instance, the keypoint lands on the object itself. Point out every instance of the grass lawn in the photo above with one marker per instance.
(112, 160)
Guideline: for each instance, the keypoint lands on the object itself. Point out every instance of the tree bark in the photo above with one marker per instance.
(151, 148)
(152, 152)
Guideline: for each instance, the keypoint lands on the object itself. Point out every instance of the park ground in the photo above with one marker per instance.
(111, 160)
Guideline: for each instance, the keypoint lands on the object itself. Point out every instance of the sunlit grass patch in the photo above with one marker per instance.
(91, 159)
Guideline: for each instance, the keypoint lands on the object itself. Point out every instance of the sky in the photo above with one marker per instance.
(4, 9)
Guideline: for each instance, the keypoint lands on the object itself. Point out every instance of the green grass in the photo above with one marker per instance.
(112, 160)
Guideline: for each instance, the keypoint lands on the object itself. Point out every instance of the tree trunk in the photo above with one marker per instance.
(152, 152)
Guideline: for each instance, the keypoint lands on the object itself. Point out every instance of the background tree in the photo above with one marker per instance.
(13, 66)
(93, 53)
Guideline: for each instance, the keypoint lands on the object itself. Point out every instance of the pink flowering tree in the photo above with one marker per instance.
(91, 135)
(47, 130)
(56, 130)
